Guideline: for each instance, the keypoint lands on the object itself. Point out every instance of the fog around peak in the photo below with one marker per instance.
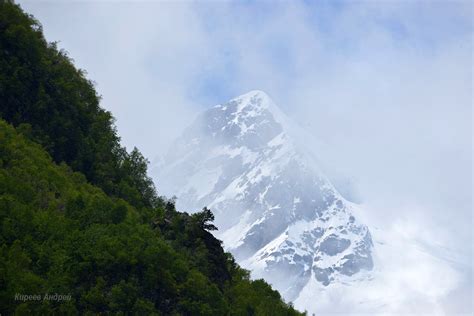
(384, 89)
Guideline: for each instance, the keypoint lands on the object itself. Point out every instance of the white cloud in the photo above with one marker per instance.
(386, 87)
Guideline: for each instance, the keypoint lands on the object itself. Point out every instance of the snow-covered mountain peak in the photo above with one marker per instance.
(252, 118)
(276, 211)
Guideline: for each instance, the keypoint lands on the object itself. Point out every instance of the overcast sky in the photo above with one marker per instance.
(385, 87)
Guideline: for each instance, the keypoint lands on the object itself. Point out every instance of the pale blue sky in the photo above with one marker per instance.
(358, 75)
(423, 27)
(291, 39)
(384, 86)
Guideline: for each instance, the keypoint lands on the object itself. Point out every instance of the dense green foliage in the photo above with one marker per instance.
(60, 234)
(78, 214)
(43, 93)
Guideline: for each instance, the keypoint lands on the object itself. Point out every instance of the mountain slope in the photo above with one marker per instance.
(73, 242)
(61, 235)
(277, 212)
(42, 91)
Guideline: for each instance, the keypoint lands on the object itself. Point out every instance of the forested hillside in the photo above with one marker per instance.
(78, 214)
(44, 95)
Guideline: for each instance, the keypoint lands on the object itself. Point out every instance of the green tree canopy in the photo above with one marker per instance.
(80, 217)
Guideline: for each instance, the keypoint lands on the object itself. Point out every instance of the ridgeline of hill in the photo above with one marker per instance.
(79, 216)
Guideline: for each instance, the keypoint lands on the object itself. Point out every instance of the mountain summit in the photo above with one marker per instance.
(276, 211)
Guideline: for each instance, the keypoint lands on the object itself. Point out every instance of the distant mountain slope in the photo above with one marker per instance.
(277, 212)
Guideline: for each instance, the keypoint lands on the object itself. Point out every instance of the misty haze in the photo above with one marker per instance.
(236, 158)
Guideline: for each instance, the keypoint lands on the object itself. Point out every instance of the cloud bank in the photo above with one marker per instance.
(385, 88)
